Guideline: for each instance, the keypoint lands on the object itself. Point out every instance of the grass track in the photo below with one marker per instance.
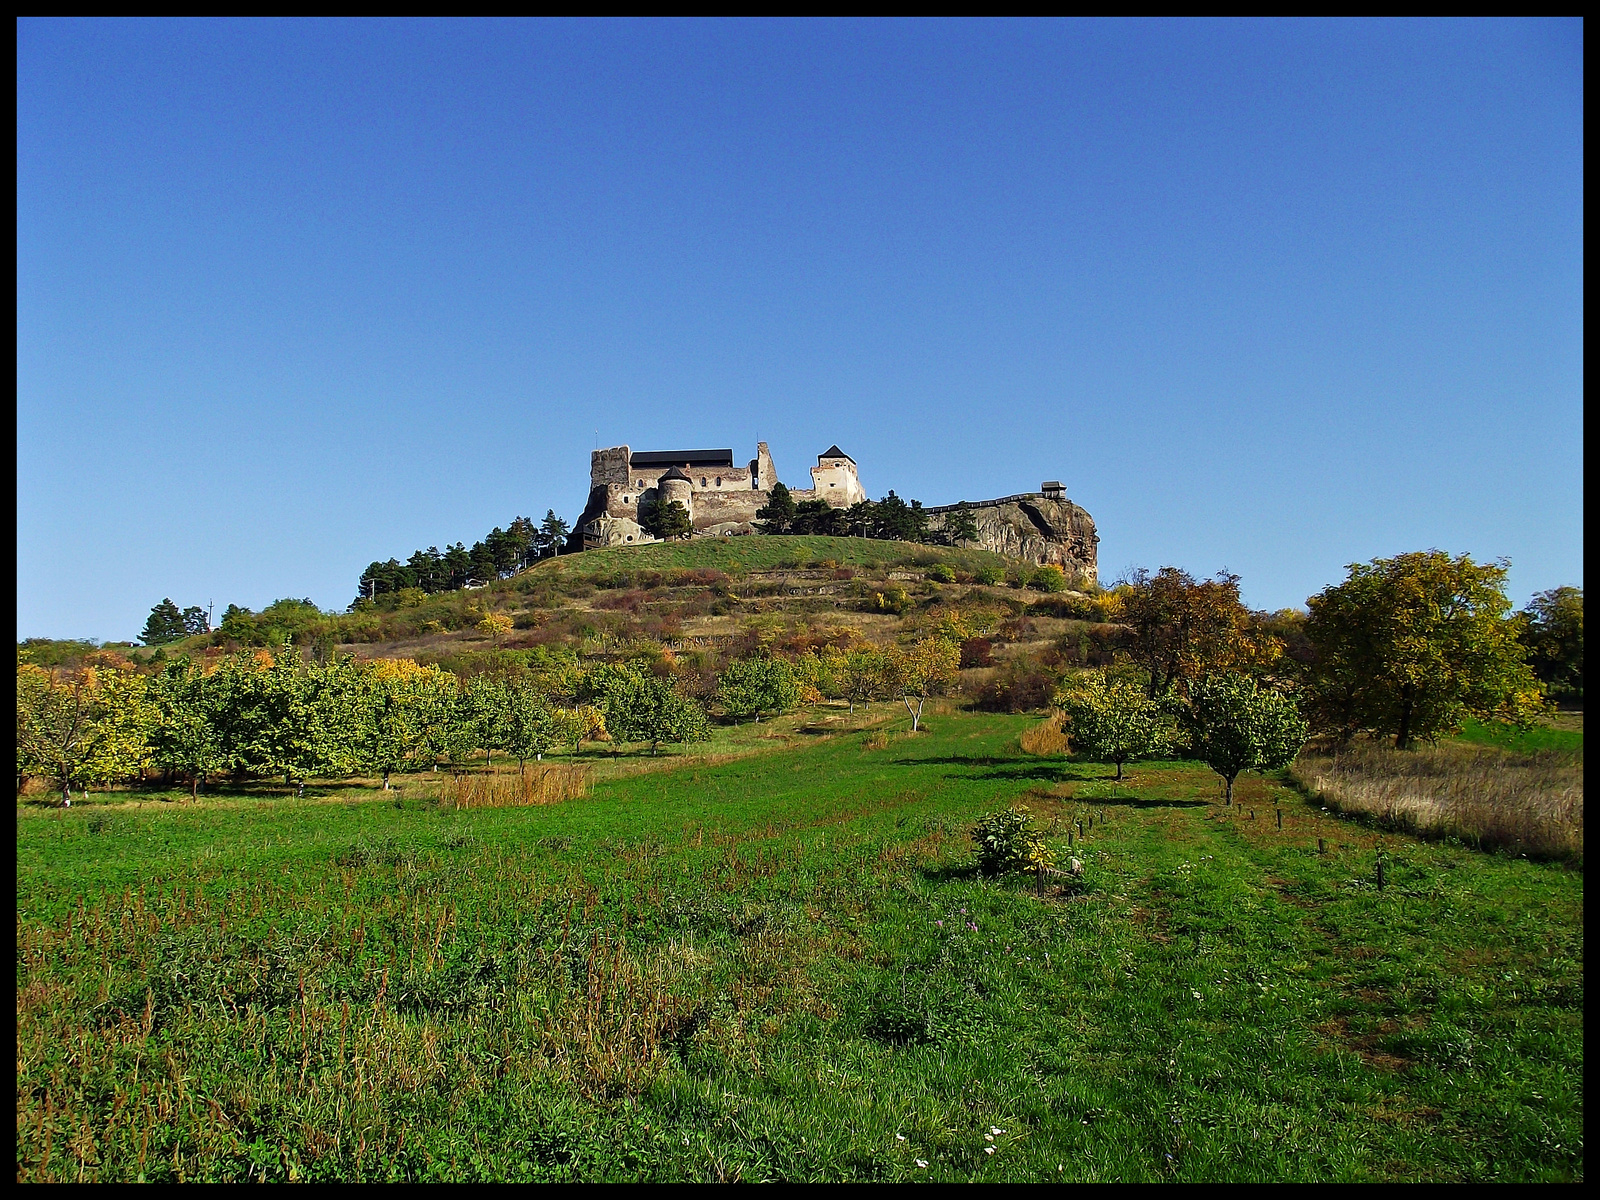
(780, 966)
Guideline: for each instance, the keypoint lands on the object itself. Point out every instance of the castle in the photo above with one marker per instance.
(721, 498)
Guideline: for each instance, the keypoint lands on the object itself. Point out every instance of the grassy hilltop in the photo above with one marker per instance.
(773, 959)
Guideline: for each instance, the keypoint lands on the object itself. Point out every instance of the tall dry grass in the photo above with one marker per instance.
(1047, 737)
(543, 784)
(1527, 804)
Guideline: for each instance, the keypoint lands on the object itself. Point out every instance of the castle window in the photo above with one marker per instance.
(702, 481)
(630, 537)
(719, 480)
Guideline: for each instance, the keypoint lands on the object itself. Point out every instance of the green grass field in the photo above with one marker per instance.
(1521, 741)
(762, 553)
(784, 967)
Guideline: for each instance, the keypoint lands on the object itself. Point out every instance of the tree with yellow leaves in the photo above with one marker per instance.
(926, 668)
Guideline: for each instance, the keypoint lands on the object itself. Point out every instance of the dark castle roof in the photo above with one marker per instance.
(682, 458)
(834, 452)
(673, 473)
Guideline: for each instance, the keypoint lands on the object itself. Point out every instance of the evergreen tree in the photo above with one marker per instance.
(165, 625)
(552, 532)
(778, 513)
(961, 525)
(457, 565)
(666, 520)
(195, 621)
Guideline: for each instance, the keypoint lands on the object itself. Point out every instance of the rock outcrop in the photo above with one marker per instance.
(1045, 529)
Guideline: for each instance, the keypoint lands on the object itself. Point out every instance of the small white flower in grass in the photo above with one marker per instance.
(921, 1162)
(1196, 995)
(988, 1149)
(899, 1137)
(995, 1129)
(988, 1137)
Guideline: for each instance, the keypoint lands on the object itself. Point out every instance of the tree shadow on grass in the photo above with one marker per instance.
(1132, 802)
(952, 872)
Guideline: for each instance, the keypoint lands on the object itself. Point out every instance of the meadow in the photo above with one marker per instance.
(774, 959)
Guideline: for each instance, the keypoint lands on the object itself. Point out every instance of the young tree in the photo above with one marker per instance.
(531, 725)
(59, 724)
(496, 625)
(127, 718)
(666, 521)
(919, 671)
(858, 674)
(650, 709)
(1238, 725)
(1553, 634)
(1113, 720)
(165, 625)
(752, 686)
(184, 739)
(389, 731)
(488, 702)
(1408, 646)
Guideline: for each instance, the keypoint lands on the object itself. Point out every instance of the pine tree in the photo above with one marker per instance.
(779, 511)
(165, 625)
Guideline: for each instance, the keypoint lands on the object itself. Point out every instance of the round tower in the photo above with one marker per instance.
(674, 487)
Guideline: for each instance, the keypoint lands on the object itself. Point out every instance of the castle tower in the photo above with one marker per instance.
(674, 487)
(834, 479)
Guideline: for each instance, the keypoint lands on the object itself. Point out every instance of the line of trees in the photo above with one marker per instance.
(503, 552)
(276, 715)
(1406, 647)
(891, 518)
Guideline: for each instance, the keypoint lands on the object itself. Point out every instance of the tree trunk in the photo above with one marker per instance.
(194, 787)
(386, 780)
(1228, 779)
(66, 794)
(1119, 770)
(1407, 698)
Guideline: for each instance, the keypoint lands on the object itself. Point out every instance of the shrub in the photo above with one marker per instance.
(1008, 841)
(1019, 686)
(943, 572)
(977, 652)
(753, 686)
(891, 600)
(989, 576)
(1050, 579)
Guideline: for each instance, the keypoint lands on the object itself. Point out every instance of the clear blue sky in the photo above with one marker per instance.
(1275, 297)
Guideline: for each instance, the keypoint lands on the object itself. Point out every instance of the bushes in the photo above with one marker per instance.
(977, 652)
(1008, 841)
(1018, 686)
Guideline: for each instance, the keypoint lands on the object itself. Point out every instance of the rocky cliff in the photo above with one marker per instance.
(1035, 527)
